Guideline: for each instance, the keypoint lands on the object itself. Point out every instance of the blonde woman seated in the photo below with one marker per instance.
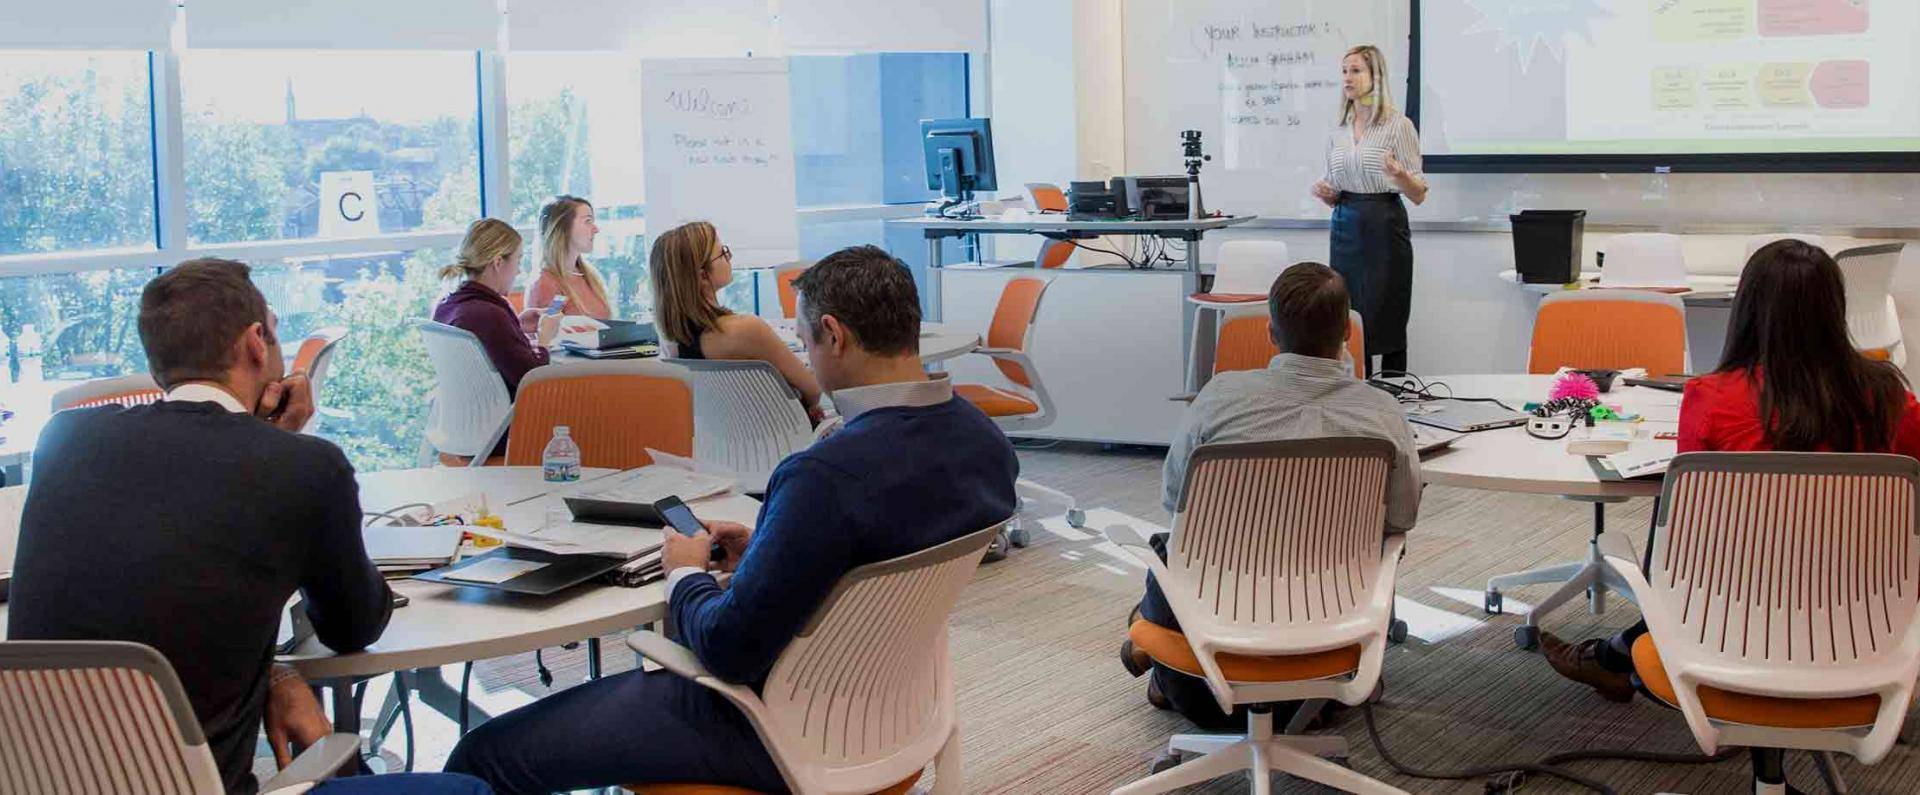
(688, 267)
(567, 232)
(489, 262)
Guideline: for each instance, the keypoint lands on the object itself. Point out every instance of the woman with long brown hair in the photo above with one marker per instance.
(567, 232)
(1789, 380)
(688, 267)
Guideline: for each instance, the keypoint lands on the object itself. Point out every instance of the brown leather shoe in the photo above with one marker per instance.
(1581, 663)
(1134, 660)
(1157, 698)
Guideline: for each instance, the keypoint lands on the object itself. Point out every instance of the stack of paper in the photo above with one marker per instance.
(1641, 459)
(581, 538)
(580, 330)
(653, 484)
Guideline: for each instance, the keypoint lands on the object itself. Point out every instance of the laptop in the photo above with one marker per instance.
(1427, 440)
(1463, 416)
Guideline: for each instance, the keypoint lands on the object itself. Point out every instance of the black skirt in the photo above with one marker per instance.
(1372, 248)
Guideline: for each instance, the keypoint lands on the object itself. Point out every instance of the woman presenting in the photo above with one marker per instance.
(1373, 158)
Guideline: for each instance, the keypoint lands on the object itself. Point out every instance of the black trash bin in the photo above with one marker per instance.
(1546, 245)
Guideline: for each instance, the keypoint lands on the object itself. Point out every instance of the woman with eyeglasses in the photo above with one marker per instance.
(688, 266)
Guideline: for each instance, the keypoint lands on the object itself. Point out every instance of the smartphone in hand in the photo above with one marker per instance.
(559, 302)
(679, 516)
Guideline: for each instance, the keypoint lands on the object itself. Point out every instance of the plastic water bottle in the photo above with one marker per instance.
(561, 460)
(30, 350)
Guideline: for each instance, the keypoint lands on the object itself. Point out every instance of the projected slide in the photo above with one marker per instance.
(1615, 77)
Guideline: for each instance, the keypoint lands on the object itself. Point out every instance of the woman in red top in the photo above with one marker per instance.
(1789, 380)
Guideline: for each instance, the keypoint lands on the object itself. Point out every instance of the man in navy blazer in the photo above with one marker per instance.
(909, 468)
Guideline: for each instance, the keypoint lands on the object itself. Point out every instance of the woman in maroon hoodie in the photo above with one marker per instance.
(488, 265)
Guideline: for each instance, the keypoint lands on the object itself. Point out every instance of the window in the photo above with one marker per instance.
(76, 151)
(856, 123)
(375, 398)
(292, 145)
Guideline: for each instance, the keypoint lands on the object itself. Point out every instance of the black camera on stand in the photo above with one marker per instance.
(1190, 150)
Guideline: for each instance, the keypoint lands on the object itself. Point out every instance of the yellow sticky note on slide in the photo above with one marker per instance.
(1676, 88)
(1785, 85)
(1728, 87)
(1701, 20)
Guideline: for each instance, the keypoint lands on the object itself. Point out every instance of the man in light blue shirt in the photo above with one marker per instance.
(1306, 392)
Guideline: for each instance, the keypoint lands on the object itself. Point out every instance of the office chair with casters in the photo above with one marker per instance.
(1872, 319)
(471, 407)
(315, 358)
(1593, 329)
(1024, 407)
(137, 389)
(110, 716)
(616, 410)
(1281, 575)
(746, 418)
(1646, 260)
(863, 698)
(1778, 627)
(1242, 277)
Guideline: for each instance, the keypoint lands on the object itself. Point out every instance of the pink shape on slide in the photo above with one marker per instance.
(1812, 17)
(1840, 84)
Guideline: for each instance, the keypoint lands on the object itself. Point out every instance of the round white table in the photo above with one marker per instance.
(1508, 459)
(938, 341)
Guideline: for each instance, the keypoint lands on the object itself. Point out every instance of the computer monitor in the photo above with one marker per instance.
(959, 156)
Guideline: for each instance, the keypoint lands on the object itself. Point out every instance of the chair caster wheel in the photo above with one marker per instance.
(1526, 637)
(1076, 518)
(1397, 631)
(1495, 603)
(1019, 537)
(1163, 763)
(997, 548)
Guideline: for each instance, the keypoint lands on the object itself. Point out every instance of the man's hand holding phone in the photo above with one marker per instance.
(689, 542)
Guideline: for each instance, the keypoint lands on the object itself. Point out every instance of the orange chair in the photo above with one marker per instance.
(1047, 197)
(126, 390)
(1612, 330)
(789, 297)
(1246, 343)
(315, 358)
(615, 410)
(1055, 253)
(1026, 406)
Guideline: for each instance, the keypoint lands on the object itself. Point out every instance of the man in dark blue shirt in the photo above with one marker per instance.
(911, 467)
(186, 525)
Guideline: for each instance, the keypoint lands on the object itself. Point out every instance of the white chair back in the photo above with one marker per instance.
(1644, 259)
(127, 390)
(1248, 267)
(745, 418)
(470, 401)
(320, 367)
(1757, 242)
(863, 697)
(1771, 571)
(98, 716)
(1872, 319)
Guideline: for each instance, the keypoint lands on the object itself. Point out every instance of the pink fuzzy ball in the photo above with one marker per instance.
(1574, 385)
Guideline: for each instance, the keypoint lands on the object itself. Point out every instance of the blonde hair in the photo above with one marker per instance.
(488, 239)
(556, 228)
(1377, 68)
(682, 310)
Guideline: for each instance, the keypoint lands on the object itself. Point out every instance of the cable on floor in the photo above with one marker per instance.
(1508, 776)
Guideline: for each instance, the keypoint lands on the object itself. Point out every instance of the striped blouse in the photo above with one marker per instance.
(1357, 168)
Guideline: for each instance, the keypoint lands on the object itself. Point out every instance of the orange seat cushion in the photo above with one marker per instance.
(1228, 298)
(1752, 710)
(995, 402)
(1170, 648)
(718, 789)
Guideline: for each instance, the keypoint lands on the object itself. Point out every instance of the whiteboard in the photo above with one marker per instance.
(1176, 77)
(1260, 80)
(718, 144)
